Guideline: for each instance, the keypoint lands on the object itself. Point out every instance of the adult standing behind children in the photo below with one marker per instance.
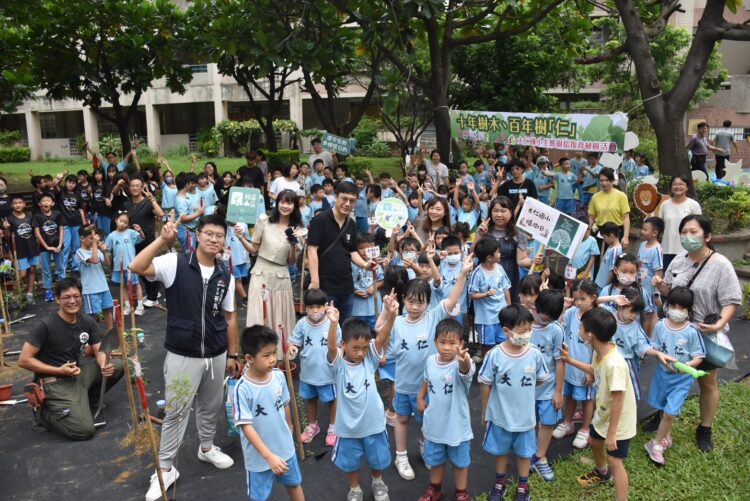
(332, 247)
(201, 339)
(672, 212)
(717, 291)
(610, 206)
(319, 153)
(142, 209)
(699, 148)
(724, 140)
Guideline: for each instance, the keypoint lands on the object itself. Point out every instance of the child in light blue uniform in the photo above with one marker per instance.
(207, 193)
(121, 244)
(543, 184)
(577, 386)
(630, 337)
(548, 336)
(450, 271)
(628, 165)
(168, 191)
(310, 339)
(96, 295)
(624, 274)
(651, 263)
(413, 341)
(444, 398)
(359, 417)
(585, 257)
(489, 289)
(363, 305)
(611, 235)
(240, 257)
(261, 411)
(509, 377)
(675, 339)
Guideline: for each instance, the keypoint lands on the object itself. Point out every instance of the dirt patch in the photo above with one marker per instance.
(124, 476)
(138, 438)
(11, 369)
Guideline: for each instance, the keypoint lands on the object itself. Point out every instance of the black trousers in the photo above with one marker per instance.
(720, 160)
(698, 162)
(150, 289)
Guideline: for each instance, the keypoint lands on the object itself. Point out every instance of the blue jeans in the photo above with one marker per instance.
(71, 243)
(343, 303)
(103, 222)
(47, 257)
(363, 224)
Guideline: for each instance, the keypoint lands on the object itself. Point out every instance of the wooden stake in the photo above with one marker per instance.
(149, 428)
(302, 282)
(124, 351)
(6, 316)
(293, 399)
(15, 265)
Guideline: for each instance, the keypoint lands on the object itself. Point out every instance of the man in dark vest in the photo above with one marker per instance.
(201, 340)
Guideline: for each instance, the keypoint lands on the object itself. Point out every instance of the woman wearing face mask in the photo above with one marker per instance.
(514, 251)
(716, 288)
(672, 212)
(276, 250)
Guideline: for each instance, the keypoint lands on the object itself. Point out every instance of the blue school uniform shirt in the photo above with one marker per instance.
(576, 347)
(613, 290)
(364, 307)
(684, 344)
(122, 246)
(209, 198)
(590, 181)
(642, 171)
(315, 205)
(261, 405)
(413, 212)
(312, 340)
(307, 215)
(453, 214)
(548, 339)
(585, 250)
(93, 279)
(650, 261)
(448, 402)
(483, 179)
(487, 310)
(530, 174)
(359, 408)
(628, 168)
(631, 339)
(168, 195)
(606, 265)
(565, 184)
(236, 249)
(185, 206)
(360, 208)
(331, 199)
(386, 193)
(471, 218)
(316, 178)
(576, 164)
(448, 279)
(512, 402)
(484, 208)
(412, 343)
(539, 180)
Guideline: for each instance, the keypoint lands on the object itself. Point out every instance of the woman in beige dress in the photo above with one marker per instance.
(275, 253)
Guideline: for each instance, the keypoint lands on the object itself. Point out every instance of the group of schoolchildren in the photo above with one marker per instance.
(563, 345)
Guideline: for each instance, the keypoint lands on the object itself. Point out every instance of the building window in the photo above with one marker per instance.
(73, 147)
(48, 124)
(198, 68)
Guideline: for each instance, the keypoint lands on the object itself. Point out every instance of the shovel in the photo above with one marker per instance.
(110, 341)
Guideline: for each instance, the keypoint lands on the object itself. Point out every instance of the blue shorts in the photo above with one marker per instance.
(578, 393)
(490, 335)
(24, 263)
(405, 405)
(544, 199)
(586, 196)
(128, 277)
(546, 413)
(499, 442)
(260, 483)
(623, 446)
(668, 391)
(96, 303)
(566, 206)
(240, 270)
(388, 371)
(326, 392)
(348, 452)
(436, 454)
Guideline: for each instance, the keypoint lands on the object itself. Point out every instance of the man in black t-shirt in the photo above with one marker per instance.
(518, 188)
(55, 351)
(332, 247)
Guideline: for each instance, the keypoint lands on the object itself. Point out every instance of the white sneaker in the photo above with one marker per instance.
(169, 477)
(215, 457)
(140, 310)
(126, 309)
(149, 303)
(582, 439)
(563, 430)
(403, 467)
(30, 299)
(380, 490)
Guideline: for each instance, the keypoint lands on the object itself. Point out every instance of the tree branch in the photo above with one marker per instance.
(604, 56)
(735, 31)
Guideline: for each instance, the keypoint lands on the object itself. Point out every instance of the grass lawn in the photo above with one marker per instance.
(18, 178)
(688, 474)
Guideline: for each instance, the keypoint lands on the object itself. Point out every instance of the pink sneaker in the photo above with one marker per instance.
(578, 416)
(666, 443)
(331, 437)
(655, 452)
(311, 431)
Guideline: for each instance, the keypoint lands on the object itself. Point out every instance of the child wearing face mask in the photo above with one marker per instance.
(578, 384)
(489, 289)
(624, 274)
(610, 233)
(547, 335)
(651, 263)
(675, 340)
(412, 341)
(509, 378)
(450, 270)
(310, 339)
(363, 304)
(630, 338)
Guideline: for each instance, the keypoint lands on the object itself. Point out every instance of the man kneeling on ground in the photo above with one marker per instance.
(54, 352)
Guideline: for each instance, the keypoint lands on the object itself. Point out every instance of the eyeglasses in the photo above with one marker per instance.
(70, 299)
(348, 200)
(213, 236)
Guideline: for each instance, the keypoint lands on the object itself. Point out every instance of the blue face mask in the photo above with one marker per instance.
(453, 259)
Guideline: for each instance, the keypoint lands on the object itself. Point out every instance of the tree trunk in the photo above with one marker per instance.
(122, 129)
(442, 120)
(670, 140)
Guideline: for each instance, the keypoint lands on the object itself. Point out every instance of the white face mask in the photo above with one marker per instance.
(316, 317)
(411, 256)
(677, 316)
(625, 279)
(453, 259)
(520, 338)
